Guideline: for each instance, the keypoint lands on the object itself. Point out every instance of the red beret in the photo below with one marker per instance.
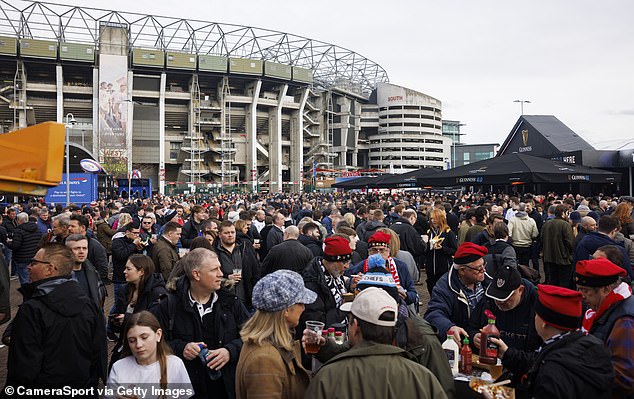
(560, 307)
(379, 239)
(469, 252)
(337, 249)
(597, 272)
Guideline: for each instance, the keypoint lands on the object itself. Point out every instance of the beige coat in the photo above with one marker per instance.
(267, 372)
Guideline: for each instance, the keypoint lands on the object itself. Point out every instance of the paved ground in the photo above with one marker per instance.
(16, 300)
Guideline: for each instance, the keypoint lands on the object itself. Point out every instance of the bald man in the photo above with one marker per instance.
(289, 254)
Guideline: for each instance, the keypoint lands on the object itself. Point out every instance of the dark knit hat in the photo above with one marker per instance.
(469, 252)
(597, 272)
(337, 249)
(379, 239)
(559, 307)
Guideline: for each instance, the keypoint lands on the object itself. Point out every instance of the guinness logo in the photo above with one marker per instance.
(500, 282)
(525, 137)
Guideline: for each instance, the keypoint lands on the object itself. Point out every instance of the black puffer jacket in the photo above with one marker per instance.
(191, 230)
(218, 329)
(55, 323)
(575, 366)
(26, 239)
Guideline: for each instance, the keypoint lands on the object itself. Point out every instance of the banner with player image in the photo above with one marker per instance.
(113, 114)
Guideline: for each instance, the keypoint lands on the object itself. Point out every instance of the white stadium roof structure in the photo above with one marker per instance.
(332, 66)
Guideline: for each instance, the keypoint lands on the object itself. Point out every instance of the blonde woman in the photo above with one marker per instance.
(270, 365)
(442, 246)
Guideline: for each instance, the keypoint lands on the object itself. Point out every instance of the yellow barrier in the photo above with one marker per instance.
(31, 159)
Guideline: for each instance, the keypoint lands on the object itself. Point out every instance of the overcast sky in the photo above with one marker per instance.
(571, 59)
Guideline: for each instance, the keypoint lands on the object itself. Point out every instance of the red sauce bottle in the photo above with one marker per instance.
(489, 350)
(465, 358)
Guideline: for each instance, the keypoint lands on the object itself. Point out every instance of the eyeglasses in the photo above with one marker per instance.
(33, 261)
(479, 269)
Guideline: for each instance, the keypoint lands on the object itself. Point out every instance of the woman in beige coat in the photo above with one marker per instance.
(270, 363)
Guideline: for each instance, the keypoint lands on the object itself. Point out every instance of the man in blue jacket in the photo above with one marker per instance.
(608, 226)
(458, 292)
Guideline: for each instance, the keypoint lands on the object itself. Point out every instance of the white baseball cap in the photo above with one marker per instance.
(370, 304)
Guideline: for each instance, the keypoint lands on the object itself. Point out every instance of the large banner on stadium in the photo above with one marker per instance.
(113, 114)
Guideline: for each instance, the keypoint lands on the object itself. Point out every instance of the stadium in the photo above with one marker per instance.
(203, 105)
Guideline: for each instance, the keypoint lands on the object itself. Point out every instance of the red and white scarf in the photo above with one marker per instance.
(617, 295)
(393, 270)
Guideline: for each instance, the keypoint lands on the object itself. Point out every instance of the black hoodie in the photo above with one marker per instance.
(58, 337)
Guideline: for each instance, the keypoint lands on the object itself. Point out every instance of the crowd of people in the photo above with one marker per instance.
(212, 294)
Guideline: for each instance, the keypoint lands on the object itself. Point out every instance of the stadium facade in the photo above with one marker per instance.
(207, 103)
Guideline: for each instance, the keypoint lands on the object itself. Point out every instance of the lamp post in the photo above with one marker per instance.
(522, 104)
(70, 121)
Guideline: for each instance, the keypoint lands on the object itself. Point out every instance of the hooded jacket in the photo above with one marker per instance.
(523, 229)
(314, 245)
(370, 228)
(575, 366)
(55, 323)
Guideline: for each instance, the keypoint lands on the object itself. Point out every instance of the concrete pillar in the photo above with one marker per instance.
(21, 100)
(130, 117)
(344, 114)
(275, 142)
(161, 169)
(297, 144)
(251, 127)
(59, 85)
(96, 138)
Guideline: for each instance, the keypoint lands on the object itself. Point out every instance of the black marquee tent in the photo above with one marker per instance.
(406, 180)
(403, 180)
(363, 182)
(518, 169)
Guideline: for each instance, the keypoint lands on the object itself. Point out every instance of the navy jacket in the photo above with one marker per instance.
(594, 240)
(448, 305)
